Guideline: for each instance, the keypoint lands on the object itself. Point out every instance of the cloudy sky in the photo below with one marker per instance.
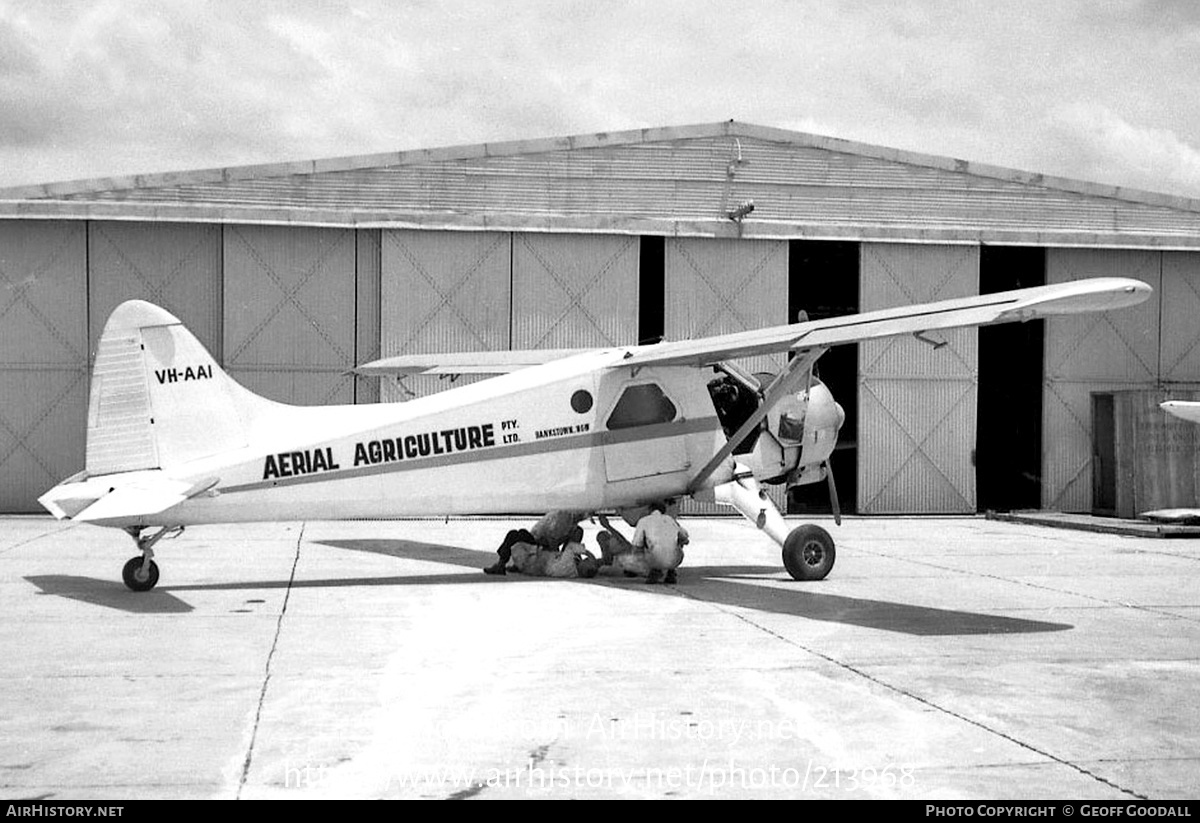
(1103, 90)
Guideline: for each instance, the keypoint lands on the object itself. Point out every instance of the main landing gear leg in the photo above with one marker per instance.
(808, 551)
(141, 572)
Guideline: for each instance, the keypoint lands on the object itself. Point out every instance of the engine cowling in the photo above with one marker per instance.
(802, 431)
(823, 419)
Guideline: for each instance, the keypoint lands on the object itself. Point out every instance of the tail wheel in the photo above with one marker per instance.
(138, 579)
(808, 553)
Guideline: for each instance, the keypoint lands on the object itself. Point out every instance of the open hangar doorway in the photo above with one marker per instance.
(823, 282)
(1008, 434)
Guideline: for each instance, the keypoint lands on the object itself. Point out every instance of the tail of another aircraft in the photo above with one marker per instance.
(158, 398)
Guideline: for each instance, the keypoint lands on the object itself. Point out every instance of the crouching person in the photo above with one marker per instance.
(662, 538)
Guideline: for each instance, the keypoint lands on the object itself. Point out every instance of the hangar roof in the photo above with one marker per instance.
(676, 181)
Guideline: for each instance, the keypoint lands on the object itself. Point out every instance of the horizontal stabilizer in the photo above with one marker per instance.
(129, 502)
(116, 497)
(480, 362)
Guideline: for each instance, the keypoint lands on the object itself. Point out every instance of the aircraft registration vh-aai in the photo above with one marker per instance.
(172, 441)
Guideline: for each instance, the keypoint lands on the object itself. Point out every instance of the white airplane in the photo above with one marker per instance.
(1183, 409)
(172, 441)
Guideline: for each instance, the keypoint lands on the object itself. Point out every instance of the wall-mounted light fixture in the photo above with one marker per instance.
(739, 214)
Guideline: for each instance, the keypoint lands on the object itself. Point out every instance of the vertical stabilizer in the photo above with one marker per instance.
(158, 398)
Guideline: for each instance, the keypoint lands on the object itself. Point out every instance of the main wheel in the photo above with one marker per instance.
(808, 553)
(138, 580)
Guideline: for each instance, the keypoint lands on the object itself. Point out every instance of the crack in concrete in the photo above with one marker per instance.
(26, 542)
(535, 758)
(1163, 553)
(917, 698)
(262, 695)
(467, 793)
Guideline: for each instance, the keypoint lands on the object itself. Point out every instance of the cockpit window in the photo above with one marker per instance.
(642, 405)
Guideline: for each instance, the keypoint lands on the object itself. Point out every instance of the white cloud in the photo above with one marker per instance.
(100, 87)
(1103, 146)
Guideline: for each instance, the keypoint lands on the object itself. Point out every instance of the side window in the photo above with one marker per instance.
(641, 405)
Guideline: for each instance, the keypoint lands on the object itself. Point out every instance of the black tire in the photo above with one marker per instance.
(132, 572)
(808, 553)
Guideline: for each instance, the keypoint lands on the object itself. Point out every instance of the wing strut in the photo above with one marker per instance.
(833, 497)
(796, 370)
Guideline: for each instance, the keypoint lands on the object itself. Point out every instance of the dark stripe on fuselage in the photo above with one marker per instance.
(564, 443)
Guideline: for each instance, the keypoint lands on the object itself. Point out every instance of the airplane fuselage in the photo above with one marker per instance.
(571, 434)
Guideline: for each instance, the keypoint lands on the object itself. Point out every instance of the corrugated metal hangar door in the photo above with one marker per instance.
(916, 410)
(1089, 353)
(720, 286)
(289, 312)
(174, 265)
(442, 292)
(43, 358)
(574, 291)
(1179, 361)
(366, 326)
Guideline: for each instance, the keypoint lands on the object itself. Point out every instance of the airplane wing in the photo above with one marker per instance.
(1185, 409)
(480, 362)
(1080, 296)
(1097, 294)
(812, 339)
(1182, 517)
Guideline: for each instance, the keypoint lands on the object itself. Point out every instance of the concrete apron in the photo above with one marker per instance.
(942, 658)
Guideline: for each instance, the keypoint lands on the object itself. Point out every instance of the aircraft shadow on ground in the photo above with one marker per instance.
(719, 585)
(417, 550)
(733, 585)
(805, 600)
(109, 593)
(407, 549)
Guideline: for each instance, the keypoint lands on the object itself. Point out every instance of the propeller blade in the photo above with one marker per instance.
(833, 498)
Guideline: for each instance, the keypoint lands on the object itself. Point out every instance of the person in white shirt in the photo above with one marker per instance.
(663, 539)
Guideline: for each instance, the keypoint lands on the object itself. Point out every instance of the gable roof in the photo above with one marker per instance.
(674, 181)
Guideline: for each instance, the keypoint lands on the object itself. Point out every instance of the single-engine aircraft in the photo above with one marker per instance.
(172, 441)
(1185, 410)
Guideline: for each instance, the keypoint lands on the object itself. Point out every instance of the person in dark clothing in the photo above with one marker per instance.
(551, 532)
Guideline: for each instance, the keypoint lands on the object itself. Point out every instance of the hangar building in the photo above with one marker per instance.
(292, 273)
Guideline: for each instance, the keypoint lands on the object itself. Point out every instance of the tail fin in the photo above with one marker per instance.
(158, 398)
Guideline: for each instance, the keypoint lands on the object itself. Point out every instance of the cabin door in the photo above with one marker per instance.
(642, 437)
